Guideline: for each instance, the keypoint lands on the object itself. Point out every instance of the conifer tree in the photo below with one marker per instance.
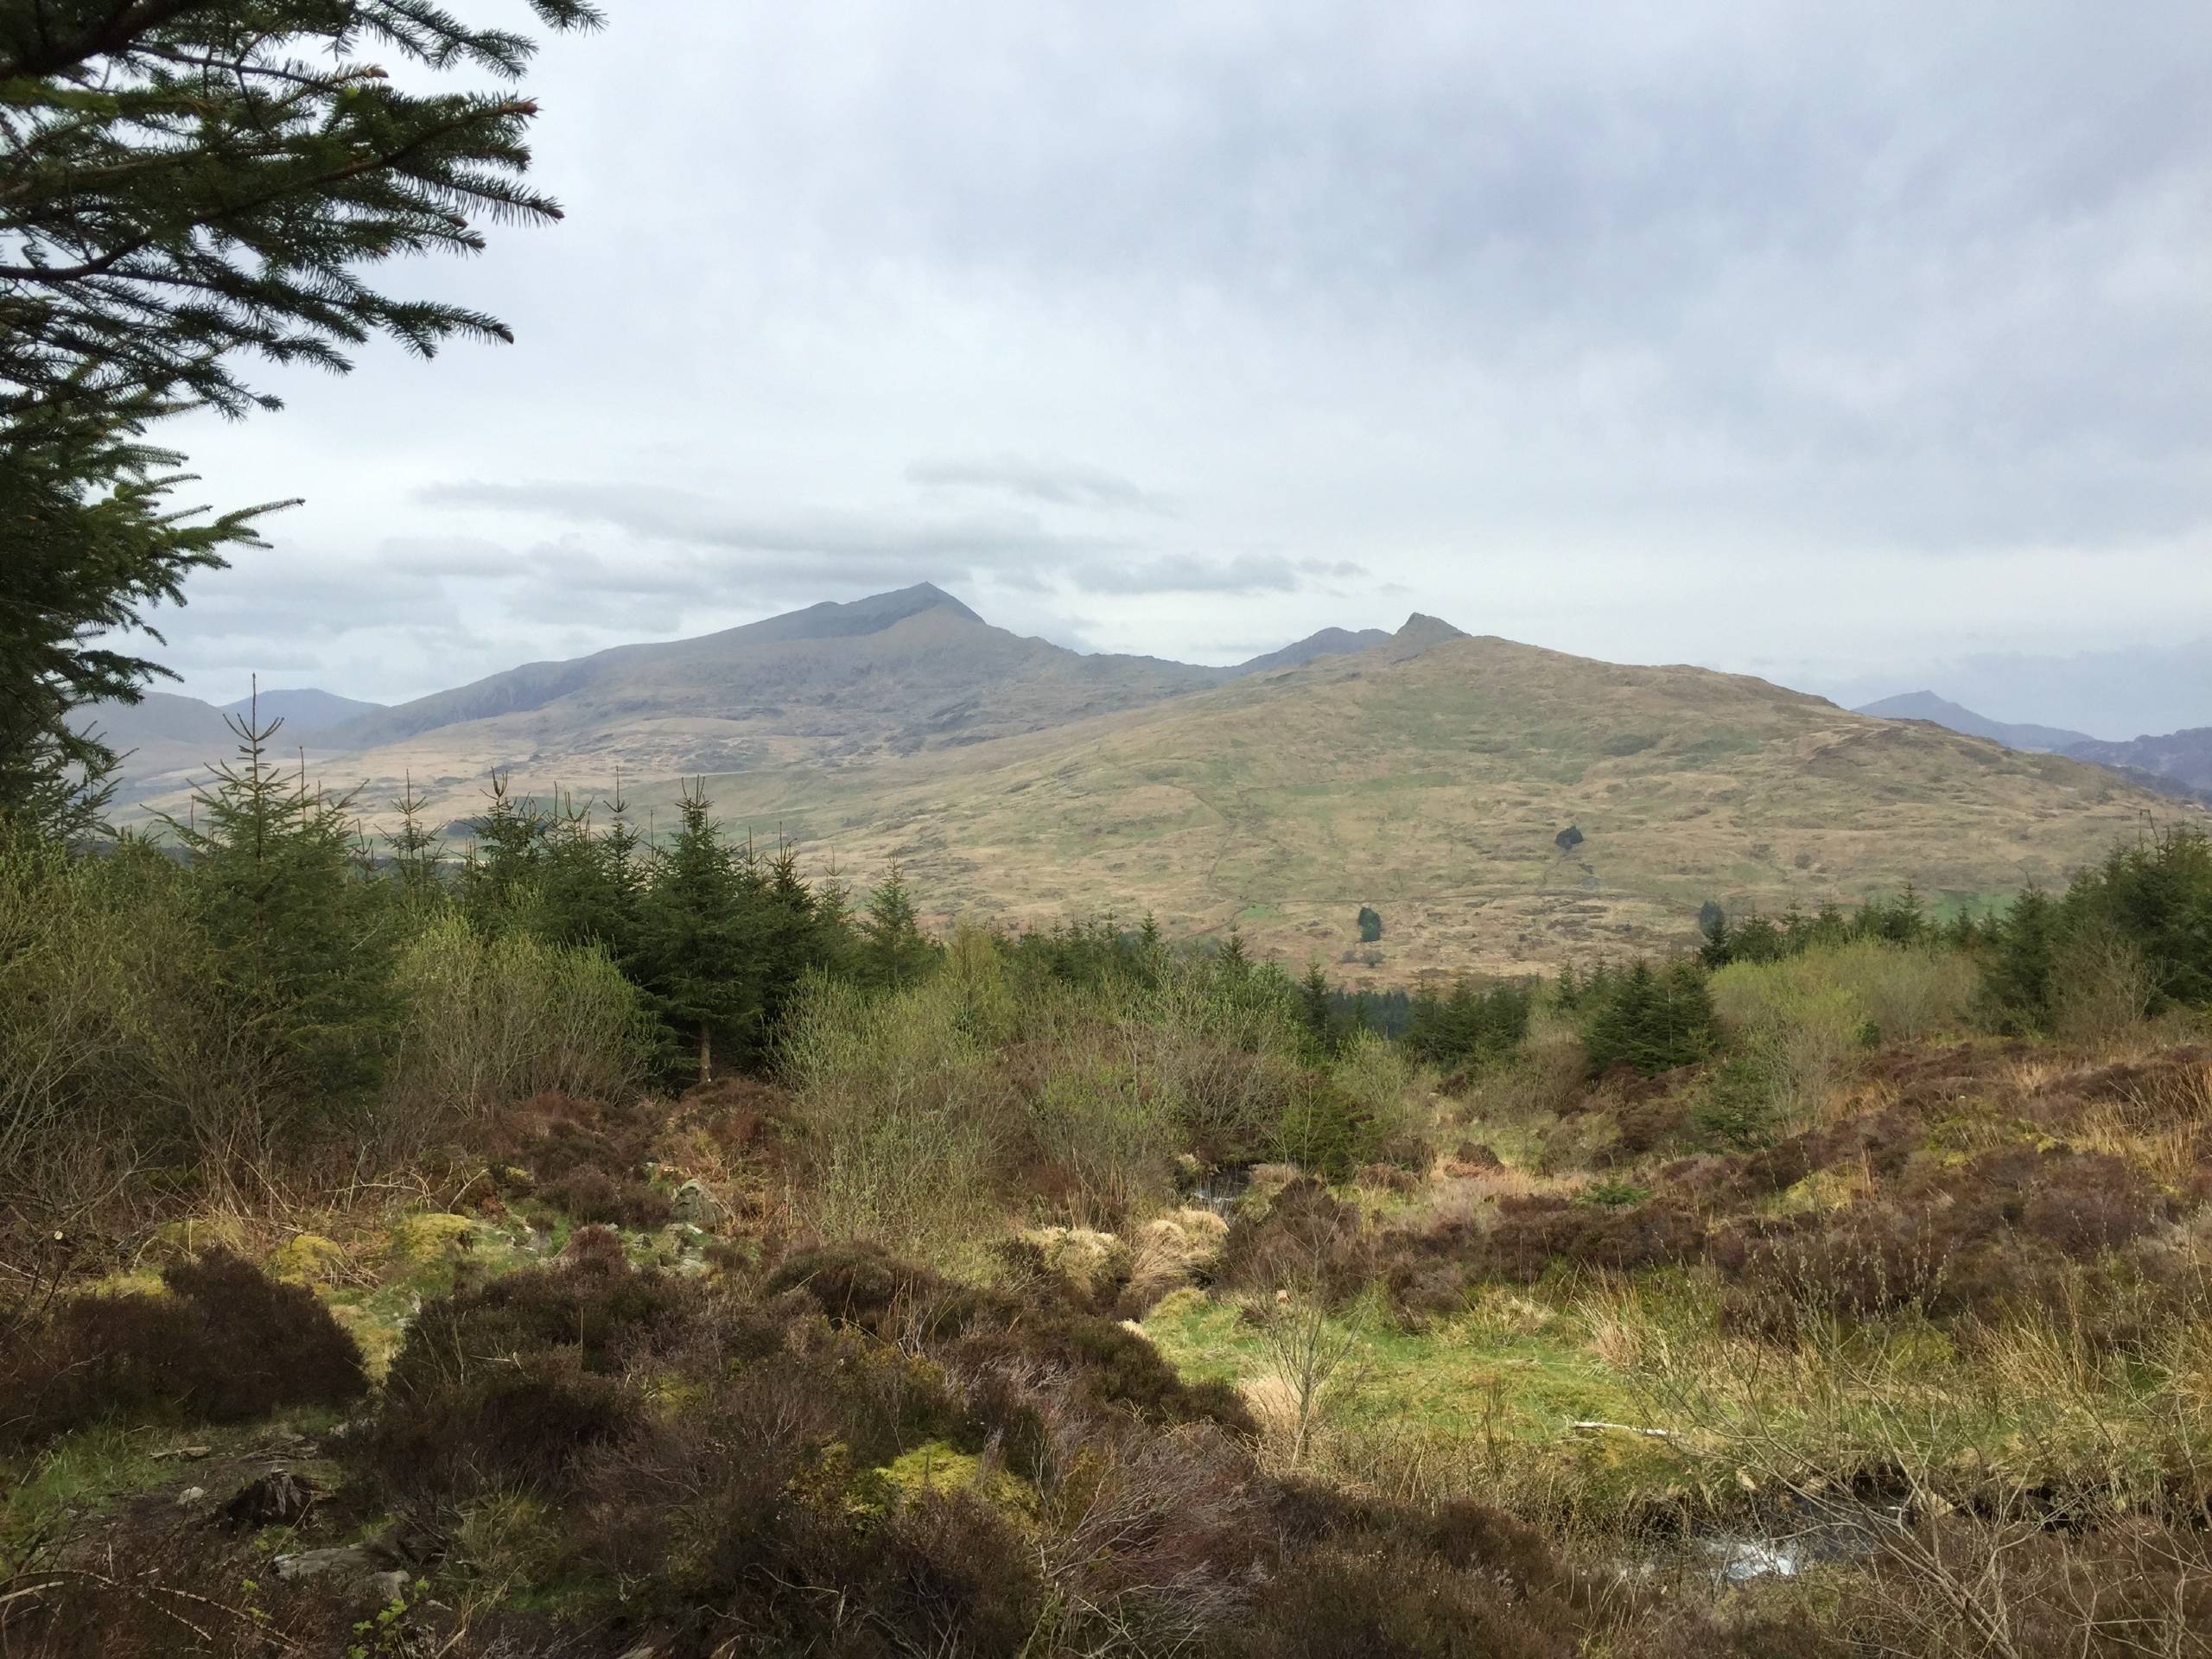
(92, 542)
(499, 880)
(2017, 975)
(893, 952)
(693, 957)
(589, 881)
(298, 942)
(416, 851)
(1232, 960)
(183, 183)
(184, 180)
(1314, 1010)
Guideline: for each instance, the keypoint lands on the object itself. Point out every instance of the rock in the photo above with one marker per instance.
(694, 1204)
(194, 1452)
(348, 1561)
(277, 1498)
(190, 1495)
(388, 1587)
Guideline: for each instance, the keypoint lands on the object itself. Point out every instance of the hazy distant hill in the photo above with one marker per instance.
(165, 739)
(2184, 756)
(305, 711)
(894, 673)
(1926, 705)
(2179, 763)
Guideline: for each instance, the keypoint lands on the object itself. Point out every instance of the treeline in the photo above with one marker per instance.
(2127, 940)
(272, 986)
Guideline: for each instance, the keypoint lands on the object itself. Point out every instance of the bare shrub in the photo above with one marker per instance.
(491, 1022)
(2102, 989)
(902, 1119)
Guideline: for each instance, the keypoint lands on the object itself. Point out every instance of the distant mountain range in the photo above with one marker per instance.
(1424, 772)
(1926, 705)
(2179, 761)
(165, 738)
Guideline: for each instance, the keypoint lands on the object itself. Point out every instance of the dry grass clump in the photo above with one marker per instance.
(1169, 1252)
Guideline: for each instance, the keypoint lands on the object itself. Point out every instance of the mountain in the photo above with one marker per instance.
(2184, 757)
(1329, 642)
(304, 710)
(1926, 705)
(1425, 773)
(892, 674)
(1430, 780)
(1428, 775)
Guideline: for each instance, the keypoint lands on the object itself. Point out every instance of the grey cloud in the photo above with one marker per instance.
(447, 556)
(682, 516)
(1054, 483)
(1183, 572)
(1716, 328)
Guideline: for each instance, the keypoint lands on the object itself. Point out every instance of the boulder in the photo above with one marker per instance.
(694, 1205)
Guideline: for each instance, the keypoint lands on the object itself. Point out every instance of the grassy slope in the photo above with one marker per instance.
(1431, 786)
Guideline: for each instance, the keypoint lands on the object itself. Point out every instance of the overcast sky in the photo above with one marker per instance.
(1862, 346)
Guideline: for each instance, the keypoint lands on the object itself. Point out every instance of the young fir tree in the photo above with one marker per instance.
(499, 878)
(893, 953)
(2016, 972)
(796, 937)
(1230, 959)
(589, 885)
(1314, 1007)
(696, 957)
(416, 854)
(299, 942)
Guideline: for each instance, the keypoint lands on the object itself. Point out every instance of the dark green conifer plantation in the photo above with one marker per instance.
(1652, 1020)
(591, 881)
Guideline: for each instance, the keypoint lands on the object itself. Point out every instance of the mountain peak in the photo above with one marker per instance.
(1422, 629)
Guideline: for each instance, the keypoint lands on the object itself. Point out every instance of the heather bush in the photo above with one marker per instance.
(226, 1344)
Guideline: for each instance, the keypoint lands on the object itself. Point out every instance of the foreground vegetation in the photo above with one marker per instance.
(1846, 1290)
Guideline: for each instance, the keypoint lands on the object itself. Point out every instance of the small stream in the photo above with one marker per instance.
(1222, 1190)
(1847, 1531)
